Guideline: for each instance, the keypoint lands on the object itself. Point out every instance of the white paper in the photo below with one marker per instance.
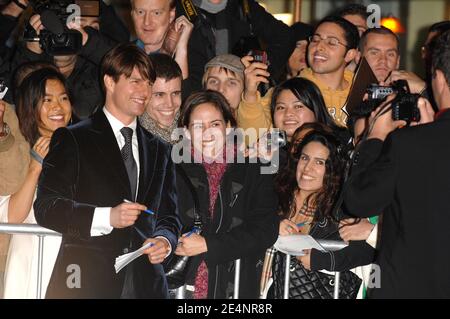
(125, 259)
(295, 245)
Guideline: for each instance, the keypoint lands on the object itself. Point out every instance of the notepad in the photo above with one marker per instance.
(125, 259)
(295, 245)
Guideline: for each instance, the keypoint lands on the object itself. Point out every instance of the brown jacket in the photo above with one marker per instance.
(14, 161)
(14, 155)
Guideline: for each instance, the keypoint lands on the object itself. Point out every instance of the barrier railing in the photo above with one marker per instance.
(41, 232)
(32, 229)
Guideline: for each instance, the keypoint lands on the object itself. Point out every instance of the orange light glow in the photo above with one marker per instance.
(393, 24)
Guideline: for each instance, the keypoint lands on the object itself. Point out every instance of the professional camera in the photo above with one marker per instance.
(404, 106)
(56, 38)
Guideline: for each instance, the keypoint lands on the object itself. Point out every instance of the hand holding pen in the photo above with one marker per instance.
(191, 244)
(125, 214)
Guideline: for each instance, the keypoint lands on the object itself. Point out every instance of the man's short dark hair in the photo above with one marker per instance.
(351, 33)
(122, 60)
(440, 27)
(381, 30)
(165, 66)
(440, 59)
(353, 9)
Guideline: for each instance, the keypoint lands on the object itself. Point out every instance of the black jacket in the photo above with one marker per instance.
(243, 227)
(272, 32)
(407, 179)
(84, 170)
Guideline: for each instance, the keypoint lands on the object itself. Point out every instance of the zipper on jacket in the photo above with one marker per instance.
(217, 230)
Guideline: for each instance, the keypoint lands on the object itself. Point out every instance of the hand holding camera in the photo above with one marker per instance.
(177, 36)
(36, 24)
(381, 122)
(255, 73)
(49, 28)
(415, 83)
(383, 119)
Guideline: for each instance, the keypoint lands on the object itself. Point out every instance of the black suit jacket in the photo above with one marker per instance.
(84, 170)
(410, 183)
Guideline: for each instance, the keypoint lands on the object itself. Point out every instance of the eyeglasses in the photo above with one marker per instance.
(332, 42)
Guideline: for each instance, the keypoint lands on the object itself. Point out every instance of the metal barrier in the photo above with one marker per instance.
(237, 275)
(41, 232)
(31, 229)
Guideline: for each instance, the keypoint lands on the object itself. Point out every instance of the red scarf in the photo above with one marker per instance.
(214, 172)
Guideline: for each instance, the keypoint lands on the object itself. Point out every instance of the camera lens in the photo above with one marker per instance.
(60, 38)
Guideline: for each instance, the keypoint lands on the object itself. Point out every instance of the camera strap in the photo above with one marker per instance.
(20, 5)
(189, 10)
(246, 14)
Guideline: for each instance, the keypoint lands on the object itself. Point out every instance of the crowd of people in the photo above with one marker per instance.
(163, 138)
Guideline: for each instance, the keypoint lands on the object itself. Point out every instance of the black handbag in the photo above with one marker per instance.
(178, 267)
(306, 284)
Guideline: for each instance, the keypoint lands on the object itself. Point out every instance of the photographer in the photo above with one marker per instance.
(405, 174)
(81, 73)
(9, 18)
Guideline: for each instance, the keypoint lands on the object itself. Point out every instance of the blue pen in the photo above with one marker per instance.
(194, 230)
(302, 224)
(148, 211)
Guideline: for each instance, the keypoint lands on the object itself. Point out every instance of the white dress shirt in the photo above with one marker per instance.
(101, 221)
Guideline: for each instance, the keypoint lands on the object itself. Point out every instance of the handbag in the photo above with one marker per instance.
(307, 284)
(178, 267)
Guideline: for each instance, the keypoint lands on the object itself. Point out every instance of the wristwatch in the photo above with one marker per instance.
(5, 130)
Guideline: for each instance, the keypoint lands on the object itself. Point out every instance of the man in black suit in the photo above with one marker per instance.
(92, 168)
(407, 177)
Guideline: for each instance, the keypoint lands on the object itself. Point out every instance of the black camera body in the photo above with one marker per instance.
(404, 106)
(67, 43)
(56, 39)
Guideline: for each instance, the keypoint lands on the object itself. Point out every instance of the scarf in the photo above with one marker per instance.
(210, 7)
(214, 172)
(152, 126)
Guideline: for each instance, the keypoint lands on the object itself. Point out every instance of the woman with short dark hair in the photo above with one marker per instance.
(236, 204)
